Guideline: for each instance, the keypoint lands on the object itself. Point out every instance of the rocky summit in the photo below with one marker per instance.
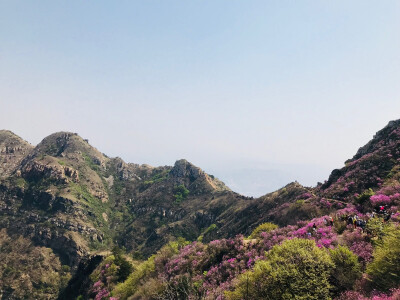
(75, 223)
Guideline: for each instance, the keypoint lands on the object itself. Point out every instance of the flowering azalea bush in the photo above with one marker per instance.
(105, 276)
(380, 199)
(212, 271)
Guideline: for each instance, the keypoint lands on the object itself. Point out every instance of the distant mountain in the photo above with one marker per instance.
(65, 201)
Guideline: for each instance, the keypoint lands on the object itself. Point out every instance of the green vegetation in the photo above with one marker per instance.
(340, 226)
(140, 284)
(19, 257)
(161, 176)
(384, 270)
(180, 193)
(264, 227)
(376, 228)
(346, 271)
(210, 228)
(21, 182)
(124, 267)
(118, 186)
(130, 286)
(89, 161)
(364, 197)
(296, 269)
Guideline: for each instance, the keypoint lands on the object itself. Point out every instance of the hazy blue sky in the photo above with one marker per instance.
(259, 93)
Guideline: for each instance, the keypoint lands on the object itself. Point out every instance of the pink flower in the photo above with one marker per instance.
(380, 199)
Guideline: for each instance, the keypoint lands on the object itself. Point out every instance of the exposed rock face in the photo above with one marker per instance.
(49, 169)
(12, 150)
(198, 181)
(183, 168)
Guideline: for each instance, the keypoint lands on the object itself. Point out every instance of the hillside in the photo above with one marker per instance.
(68, 203)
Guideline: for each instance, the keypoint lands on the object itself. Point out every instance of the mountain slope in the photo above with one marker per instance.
(65, 198)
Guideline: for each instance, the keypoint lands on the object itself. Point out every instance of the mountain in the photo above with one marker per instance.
(67, 205)
(12, 150)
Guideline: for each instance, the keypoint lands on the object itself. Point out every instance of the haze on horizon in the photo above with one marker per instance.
(258, 93)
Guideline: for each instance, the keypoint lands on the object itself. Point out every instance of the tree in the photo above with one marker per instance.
(296, 269)
(125, 268)
(346, 271)
(384, 270)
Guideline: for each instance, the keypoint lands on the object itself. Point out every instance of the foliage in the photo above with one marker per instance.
(29, 271)
(296, 269)
(265, 227)
(161, 176)
(180, 193)
(358, 243)
(131, 285)
(210, 228)
(376, 227)
(340, 226)
(365, 196)
(384, 270)
(346, 271)
(124, 267)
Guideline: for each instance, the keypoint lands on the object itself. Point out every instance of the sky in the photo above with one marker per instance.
(257, 93)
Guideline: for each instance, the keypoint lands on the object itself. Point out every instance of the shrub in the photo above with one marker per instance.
(340, 226)
(180, 193)
(296, 269)
(375, 227)
(380, 199)
(384, 270)
(346, 271)
(125, 268)
(265, 227)
(365, 196)
(131, 285)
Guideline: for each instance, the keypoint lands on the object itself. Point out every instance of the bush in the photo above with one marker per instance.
(132, 283)
(296, 269)
(384, 270)
(125, 268)
(180, 193)
(365, 196)
(346, 271)
(340, 226)
(375, 227)
(265, 227)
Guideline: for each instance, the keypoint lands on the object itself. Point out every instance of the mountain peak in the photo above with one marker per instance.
(12, 149)
(385, 136)
(7, 136)
(184, 168)
(68, 144)
(198, 180)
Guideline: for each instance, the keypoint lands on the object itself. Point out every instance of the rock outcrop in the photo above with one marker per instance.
(12, 150)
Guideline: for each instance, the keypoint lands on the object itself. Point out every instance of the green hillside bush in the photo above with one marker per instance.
(346, 271)
(264, 227)
(384, 270)
(296, 269)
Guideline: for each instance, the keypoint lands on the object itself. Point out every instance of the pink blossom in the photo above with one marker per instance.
(380, 199)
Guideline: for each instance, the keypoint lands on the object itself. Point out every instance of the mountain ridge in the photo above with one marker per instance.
(70, 200)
